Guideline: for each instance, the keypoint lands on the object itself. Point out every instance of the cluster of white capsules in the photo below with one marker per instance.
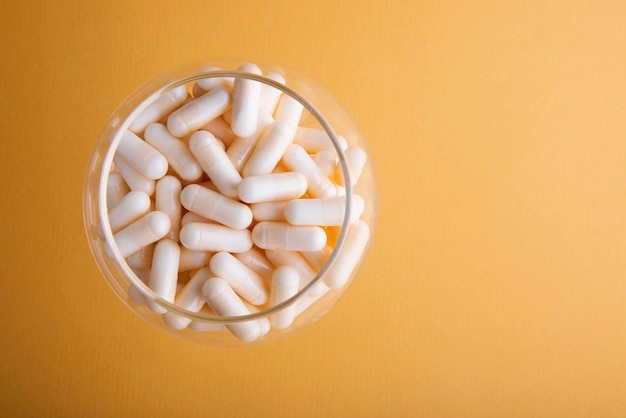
(222, 203)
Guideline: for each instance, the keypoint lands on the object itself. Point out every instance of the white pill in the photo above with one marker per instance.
(317, 259)
(246, 97)
(142, 259)
(349, 255)
(269, 150)
(257, 261)
(241, 278)
(146, 230)
(214, 161)
(190, 217)
(272, 187)
(167, 200)
(269, 211)
(270, 95)
(164, 272)
(280, 235)
(289, 110)
(241, 148)
(176, 151)
(315, 140)
(295, 260)
(198, 112)
(323, 212)
(214, 237)
(134, 179)
(297, 159)
(221, 130)
(190, 298)
(209, 83)
(285, 283)
(326, 161)
(142, 156)
(214, 206)
(132, 207)
(225, 302)
(190, 260)
(158, 109)
(116, 189)
(355, 159)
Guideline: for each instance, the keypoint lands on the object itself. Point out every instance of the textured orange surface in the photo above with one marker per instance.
(496, 285)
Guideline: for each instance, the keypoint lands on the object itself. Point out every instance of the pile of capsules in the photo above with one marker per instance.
(222, 203)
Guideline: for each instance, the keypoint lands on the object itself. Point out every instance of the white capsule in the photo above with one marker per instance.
(190, 298)
(209, 83)
(142, 156)
(116, 189)
(315, 140)
(164, 272)
(225, 302)
(355, 159)
(297, 159)
(132, 207)
(269, 211)
(158, 109)
(190, 260)
(141, 260)
(198, 112)
(289, 110)
(272, 187)
(221, 130)
(323, 212)
(215, 162)
(241, 278)
(257, 261)
(349, 255)
(176, 151)
(134, 179)
(190, 217)
(285, 283)
(279, 235)
(214, 206)
(326, 161)
(241, 148)
(214, 237)
(269, 149)
(317, 259)
(167, 200)
(246, 97)
(271, 95)
(146, 230)
(295, 260)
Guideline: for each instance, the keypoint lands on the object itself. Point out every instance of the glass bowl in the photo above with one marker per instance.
(271, 256)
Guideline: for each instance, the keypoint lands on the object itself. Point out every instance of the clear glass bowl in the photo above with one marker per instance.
(321, 113)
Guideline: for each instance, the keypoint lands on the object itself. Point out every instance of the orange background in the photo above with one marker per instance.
(496, 284)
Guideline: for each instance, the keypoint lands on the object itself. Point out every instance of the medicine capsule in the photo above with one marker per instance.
(349, 255)
(241, 148)
(214, 161)
(134, 179)
(190, 260)
(246, 101)
(326, 161)
(209, 83)
(269, 150)
(198, 112)
(176, 151)
(297, 159)
(146, 230)
(271, 95)
(289, 110)
(164, 272)
(269, 211)
(189, 298)
(158, 109)
(225, 302)
(295, 260)
(355, 160)
(315, 140)
(142, 156)
(241, 278)
(132, 206)
(272, 187)
(212, 205)
(279, 235)
(285, 282)
(167, 200)
(214, 237)
(323, 212)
